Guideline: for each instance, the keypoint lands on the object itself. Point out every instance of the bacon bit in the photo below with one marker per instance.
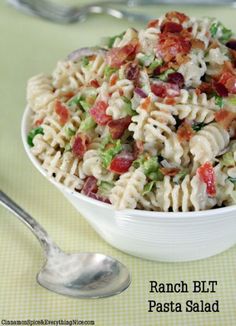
(170, 171)
(90, 186)
(181, 59)
(69, 95)
(177, 15)
(99, 197)
(171, 27)
(162, 89)
(197, 44)
(197, 91)
(113, 79)
(132, 72)
(170, 45)
(117, 56)
(185, 132)
(170, 101)
(138, 148)
(38, 122)
(225, 118)
(94, 83)
(145, 104)
(221, 90)
(80, 145)
(118, 127)
(62, 111)
(205, 88)
(121, 162)
(98, 112)
(229, 81)
(207, 175)
(153, 23)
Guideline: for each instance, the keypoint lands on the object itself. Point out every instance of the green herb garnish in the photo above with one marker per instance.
(148, 187)
(87, 124)
(219, 101)
(32, 134)
(108, 154)
(224, 33)
(85, 61)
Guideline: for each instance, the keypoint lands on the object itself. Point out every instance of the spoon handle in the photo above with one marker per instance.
(43, 237)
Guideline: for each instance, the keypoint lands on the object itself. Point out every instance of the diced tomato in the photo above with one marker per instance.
(205, 88)
(146, 103)
(153, 23)
(170, 171)
(80, 145)
(38, 122)
(117, 56)
(207, 175)
(62, 111)
(98, 112)
(172, 15)
(170, 101)
(118, 127)
(229, 81)
(185, 132)
(221, 90)
(225, 118)
(121, 162)
(90, 186)
(94, 83)
(170, 45)
(162, 89)
(176, 78)
(171, 27)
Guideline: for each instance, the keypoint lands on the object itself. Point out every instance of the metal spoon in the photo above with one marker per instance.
(80, 275)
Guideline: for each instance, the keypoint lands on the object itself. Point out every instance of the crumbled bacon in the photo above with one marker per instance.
(231, 44)
(121, 162)
(118, 127)
(205, 88)
(170, 171)
(69, 95)
(115, 57)
(38, 122)
(169, 45)
(171, 27)
(221, 90)
(98, 112)
(175, 15)
(162, 89)
(176, 78)
(225, 118)
(228, 79)
(90, 186)
(185, 132)
(197, 44)
(80, 145)
(207, 175)
(146, 103)
(62, 111)
(99, 197)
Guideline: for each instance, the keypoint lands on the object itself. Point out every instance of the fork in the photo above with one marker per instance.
(70, 14)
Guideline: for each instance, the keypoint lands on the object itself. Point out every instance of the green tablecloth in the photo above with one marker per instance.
(29, 46)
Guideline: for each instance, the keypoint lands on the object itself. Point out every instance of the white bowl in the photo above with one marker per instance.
(151, 235)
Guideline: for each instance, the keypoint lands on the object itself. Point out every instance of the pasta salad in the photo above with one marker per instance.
(147, 120)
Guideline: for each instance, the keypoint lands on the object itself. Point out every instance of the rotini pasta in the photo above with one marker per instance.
(146, 122)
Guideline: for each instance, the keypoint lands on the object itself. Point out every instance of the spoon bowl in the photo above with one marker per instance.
(79, 275)
(84, 275)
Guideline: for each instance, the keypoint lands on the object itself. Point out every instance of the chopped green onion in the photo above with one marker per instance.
(128, 106)
(69, 132)
(74, 101)
(32, 134)
(219, 101)
(180, 176)
(146, 60)
(148, 187)
(87, 124)
(85, 106)
(138, 162)
(227, 159)
(108, 71)
(165, 74)
(156, 63)
(105, 187)
(151, 165)
(85, 61)
(111, 40)
(198, 126)
(68, 147)
(107, 155)
(79, 101)
(156, 176)
(213, 29)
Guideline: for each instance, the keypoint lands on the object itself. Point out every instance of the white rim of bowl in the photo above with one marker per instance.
(131, 212)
